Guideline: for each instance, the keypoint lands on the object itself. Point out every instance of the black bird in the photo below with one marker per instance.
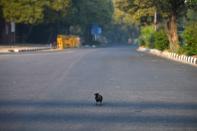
(98, 98)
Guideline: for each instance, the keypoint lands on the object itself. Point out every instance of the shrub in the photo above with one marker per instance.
(146, 35)
(190, 36)
(141, 42)
(97, 43)
(161, 41)
(182, 50)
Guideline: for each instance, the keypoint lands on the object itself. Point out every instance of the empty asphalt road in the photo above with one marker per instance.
(54, 91)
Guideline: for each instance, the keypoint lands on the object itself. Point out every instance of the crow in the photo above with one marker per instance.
(98, 98)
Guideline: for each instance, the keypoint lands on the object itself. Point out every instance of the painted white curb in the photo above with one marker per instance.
(29, 49)
(170, 55)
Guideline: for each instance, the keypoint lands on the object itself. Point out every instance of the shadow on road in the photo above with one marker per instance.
(97, 114)
(83, 104)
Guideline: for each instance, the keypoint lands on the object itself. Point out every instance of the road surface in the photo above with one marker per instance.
(54, 91)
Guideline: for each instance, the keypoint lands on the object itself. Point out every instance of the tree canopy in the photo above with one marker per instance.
(60, 14)
(93, 11)
(136, 8)
(30, 11)
(23, 11)
(170, 10)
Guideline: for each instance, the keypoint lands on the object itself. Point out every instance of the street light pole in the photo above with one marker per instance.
(13, 30)
(155, 20)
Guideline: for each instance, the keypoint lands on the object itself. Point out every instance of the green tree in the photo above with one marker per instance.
(121, 17)
(95, 11)
(170, 10)
(161, 41)
(192, 4)
(146, 35)
(78, 14)
(192, 16)
(35, 12)
(30, 11)
(190, 37)
(59, 15)
(136, 8)
(56, 15)
(88, 12)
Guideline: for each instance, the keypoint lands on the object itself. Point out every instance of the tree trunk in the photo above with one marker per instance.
(87, 35)
(27, 36)
(172, 33)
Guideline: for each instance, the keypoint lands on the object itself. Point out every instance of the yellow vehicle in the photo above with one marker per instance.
(70, 41)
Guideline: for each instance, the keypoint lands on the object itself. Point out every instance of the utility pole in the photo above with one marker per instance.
(155, 20)
(13, 30)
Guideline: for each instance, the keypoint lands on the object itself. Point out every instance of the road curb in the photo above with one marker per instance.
(169, 55)
(28, 49)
